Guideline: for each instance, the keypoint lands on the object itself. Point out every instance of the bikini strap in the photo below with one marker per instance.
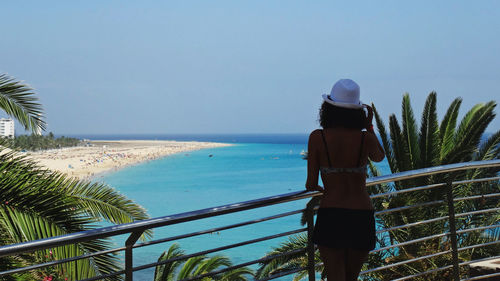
(326, 148)
(361, 148)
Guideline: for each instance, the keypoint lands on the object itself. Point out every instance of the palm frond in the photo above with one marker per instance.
(490, 148)
(397, 144)
(28, 226)
(101, 201)
(189, 267)
(379, 203)
(468, 138)
(385, 140)
(281, 263)
(39, 205)
(166, 271)
(238, 274)
(409, 134)
(373, 171)
(211, 264)
(429, 133)
(470, 117)
(96, 200)
(18, 101)
(195, 266)
(301, 275)
(447, 128)
(28, 190)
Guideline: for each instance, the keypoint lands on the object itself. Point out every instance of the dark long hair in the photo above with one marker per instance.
(331, 116)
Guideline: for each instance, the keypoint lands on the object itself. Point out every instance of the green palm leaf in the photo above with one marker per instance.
(167, 271)
(429, 133)
(447, 128)
(101, 201)
(98, 201)
(39, 204)
(238, 274)
(195, 266)
(397, 143)
(18, 101)
(211, 264)
(470, 118)
(469, 134)
(385, 141)
(287, 262)
(490, 148)
(26, 227)
(189, 267)
(378, 203)
(409, 134)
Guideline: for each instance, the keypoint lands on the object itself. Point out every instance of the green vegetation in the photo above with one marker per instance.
(195, 266)
(36, 204)
(408, 147)
(289, 262)
(36, 142)
(19, 102)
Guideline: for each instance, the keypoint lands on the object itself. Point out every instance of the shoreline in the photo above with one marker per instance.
(98, 157)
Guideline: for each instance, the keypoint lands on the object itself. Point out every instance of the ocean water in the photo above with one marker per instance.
(252, 168)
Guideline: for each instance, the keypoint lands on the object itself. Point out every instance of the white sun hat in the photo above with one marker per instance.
(345, 93)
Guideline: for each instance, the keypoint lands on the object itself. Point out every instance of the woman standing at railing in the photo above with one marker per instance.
(345, 225)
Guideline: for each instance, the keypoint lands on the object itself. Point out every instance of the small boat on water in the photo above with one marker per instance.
(304, 154)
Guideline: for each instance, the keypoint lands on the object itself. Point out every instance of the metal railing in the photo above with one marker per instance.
(451, 236)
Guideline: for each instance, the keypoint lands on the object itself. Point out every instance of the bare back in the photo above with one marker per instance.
(345, 147)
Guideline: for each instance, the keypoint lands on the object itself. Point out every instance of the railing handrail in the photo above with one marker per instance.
(142, 225)
(431, 171)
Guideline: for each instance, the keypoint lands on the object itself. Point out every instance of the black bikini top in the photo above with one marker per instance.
(330, 169)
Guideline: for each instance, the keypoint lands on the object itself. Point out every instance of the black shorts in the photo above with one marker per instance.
(341, 228)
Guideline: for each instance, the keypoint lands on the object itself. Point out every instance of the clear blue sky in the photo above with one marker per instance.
(243, 66)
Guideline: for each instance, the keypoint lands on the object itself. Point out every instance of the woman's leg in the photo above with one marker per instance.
(334, 262)
(354, 262)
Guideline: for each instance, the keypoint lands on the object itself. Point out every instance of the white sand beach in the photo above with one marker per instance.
(104, 156)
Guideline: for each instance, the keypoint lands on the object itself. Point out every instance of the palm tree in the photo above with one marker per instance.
(407, 147)
(36, 203)
(195, 266)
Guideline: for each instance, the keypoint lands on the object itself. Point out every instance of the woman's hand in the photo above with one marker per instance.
(369, 117)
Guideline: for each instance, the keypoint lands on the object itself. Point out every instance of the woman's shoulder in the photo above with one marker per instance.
(315, 134)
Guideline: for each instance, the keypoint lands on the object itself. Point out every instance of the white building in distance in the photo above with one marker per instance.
(6, 127)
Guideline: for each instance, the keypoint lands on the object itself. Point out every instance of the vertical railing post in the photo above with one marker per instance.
(453, 230)
(310, 245)
(128, 254)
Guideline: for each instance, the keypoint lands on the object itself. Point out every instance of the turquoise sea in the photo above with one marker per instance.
(255, 166)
